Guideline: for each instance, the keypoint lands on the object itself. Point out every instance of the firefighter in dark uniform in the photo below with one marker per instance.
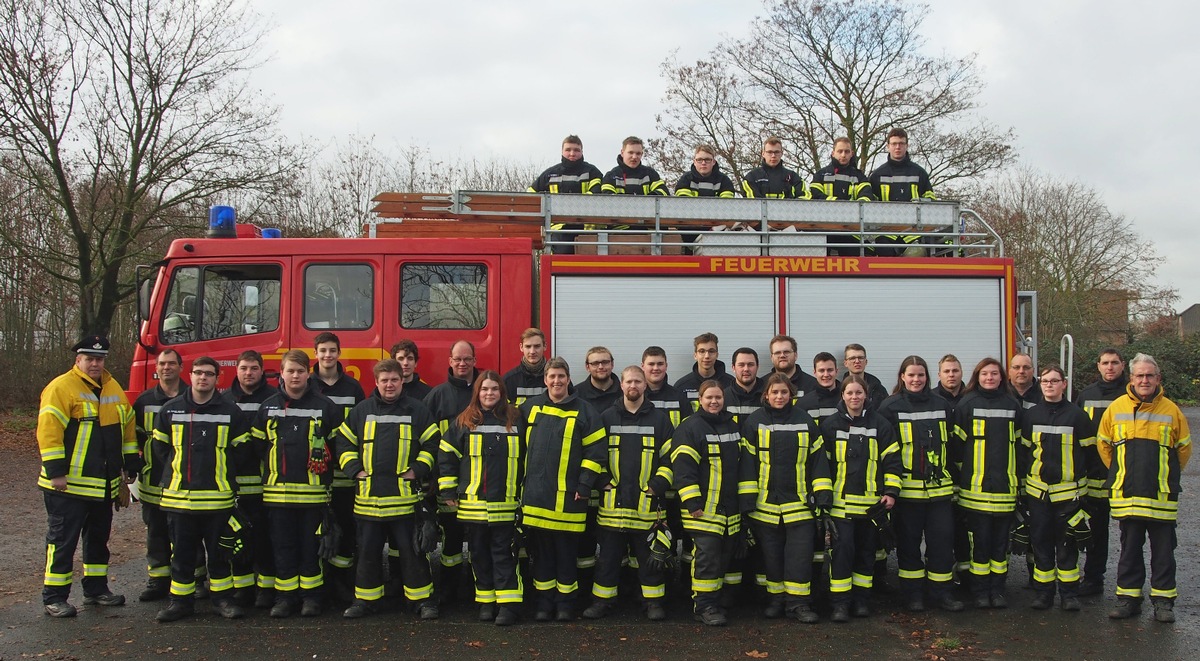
(771, 178)
(631, 177)
(705, 178)
(564, 457)
(1094, 400)
(528, 378)
(705, 452)
(782, 454)
(446, 401)
(988, 427)
(923, 511)
(572, 175)
(158, 540)
(405, 352)
(638, 475)
(950, 383)
(706, 367)
(841, 180)
(1057, 435)
(481, 468)
(783, 358)
(854, 359)
(330, 379)
(1145, 443)
(745, 395)
(388, 444)
(198, 437)
(256, 567)
(823, 400)
(675, 404)
(291, 435)
(88, 443)
(1021, 383)
(600, 390)
(899, 180)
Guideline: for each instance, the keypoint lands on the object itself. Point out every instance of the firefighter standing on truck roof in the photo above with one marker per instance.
(198, 440)
(87, 439)
(772, 178)
(899, 180)
(291, 436)
(572, 175)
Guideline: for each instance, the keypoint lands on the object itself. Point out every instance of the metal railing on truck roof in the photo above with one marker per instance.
(602, 224)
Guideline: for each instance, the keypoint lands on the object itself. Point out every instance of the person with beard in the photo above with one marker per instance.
(899, 180)
(527, 379)
(771, 178)
(405, 352)
(1094, 400)
(631, 177)
(572, 175)
(988, 425)
(745, 395)
(705, 368)
(823, 400)
(783, 358)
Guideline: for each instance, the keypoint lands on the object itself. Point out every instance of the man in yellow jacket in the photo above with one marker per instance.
(88, 444)
(1144, 441)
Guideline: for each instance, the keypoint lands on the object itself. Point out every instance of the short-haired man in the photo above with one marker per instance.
(950, 383)
(771, 178)
(639, 443)
(783, 359)
(822, 401)
(445, 402)
(565, 457)
(387, 444)
(256, 567)
(745, 395)
(899, 180)
(1145, 443)
(1021, 382)
(405, 352)
(854, 359)
(600, 389)
(631, 177)
(572, 175)
(331, 380)
(658, 390)
(527, 379)
(704, 178)
(1095, 400)
(88, 443)
(158, 540)
(290, 435)
(199, 438)
(841, 179)
(706, 367)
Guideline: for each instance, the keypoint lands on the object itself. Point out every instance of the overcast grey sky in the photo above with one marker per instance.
(1097, 90)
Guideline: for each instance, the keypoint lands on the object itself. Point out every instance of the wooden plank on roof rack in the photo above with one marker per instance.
(428, 229)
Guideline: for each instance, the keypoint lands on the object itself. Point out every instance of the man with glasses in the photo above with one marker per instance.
(899, 180)
(771, 178)
(704, 178)
(783, 358)
(600, 389)
(1021, 381)
(1144, 441)
(854, 359)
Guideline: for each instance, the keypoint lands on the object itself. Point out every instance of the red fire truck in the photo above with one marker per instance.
(644, 271)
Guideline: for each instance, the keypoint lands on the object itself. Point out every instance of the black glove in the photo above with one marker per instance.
(330, 533)
(426, 532)
(232, 540)
(1020, 533)
(1079, 529)
(743, 540)
(518, 540)
(831, 531)
(878, 513)
(662, 547)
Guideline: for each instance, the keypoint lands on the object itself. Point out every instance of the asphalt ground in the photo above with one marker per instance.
(130, 632)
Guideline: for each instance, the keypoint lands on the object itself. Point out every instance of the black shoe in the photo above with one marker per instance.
(201, 589)
(506, 616)
(598, 610)
(982, 601)
(265, 598)
(949, 604)
(428, 610)
(712, 616)
(774, 609)
(914, 604)
(1089, 589)
(1125, 609)
(655, 611)
(358, 608)
(1042, 600)
(229, 609)
(841, 613)
(244, 597)
(60, 609)
(564, 614)
(543, 616)
(176, 609)
(1164, 610)
(999, 601)
(156, 589)
(861, 609)
(1071, 604)
(104, 599)
(284, 607)
(311, 607)
(487, 612)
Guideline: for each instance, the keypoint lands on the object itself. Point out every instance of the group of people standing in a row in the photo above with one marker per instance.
(791, 467)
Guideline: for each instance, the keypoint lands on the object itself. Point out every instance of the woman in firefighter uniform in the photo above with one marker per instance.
(865, 466)
(783, 455)
(482, 464)
(988, 427)
(564, 457)
(290, 434)
(704, 455)
(1055, 433)
(922, 422)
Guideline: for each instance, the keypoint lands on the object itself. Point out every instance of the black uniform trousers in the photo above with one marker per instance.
(989, 534)
(1055, 554)
(933, 520)
(552, 555)
(1131, 567)
(342, 501)
(496, 577)
(614, 547)
(710, 561)
(852, 562)
(1096, 562)
(414, 569)
(257, 565)
(295, 543)
(191, 533)
(787, 559)
(68, 519)
(158, 542)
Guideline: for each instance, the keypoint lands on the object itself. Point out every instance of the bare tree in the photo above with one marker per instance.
(1088, 264)
(814, 70)
(126, 117)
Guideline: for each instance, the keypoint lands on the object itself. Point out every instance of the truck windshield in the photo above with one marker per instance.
(221, 301)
